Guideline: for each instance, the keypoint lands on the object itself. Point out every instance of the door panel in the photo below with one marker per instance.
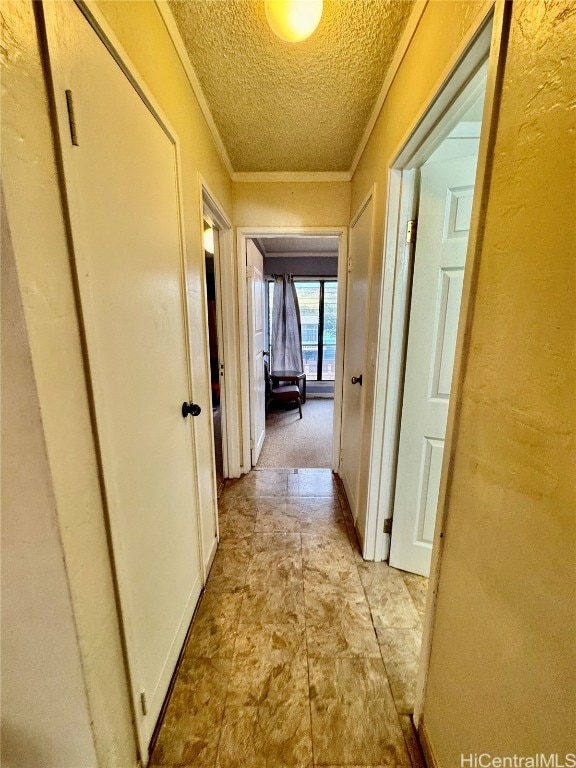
(122, 186)
(256, 333)
(445, 206)
(355, 354)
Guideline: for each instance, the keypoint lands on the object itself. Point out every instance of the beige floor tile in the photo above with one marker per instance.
(214, 629)
(228, 572)
(290, 603)
(273, 604)
(343, 575)
(390, 602)
(324, 526)
(315, 508)
(322, 553)
(277, 542)
(270, 483)
(274, 567)
(275, 517)
(400, 652)
(236, 525)
(312, 484)
(270, 666)
(189, 734)
(266, 737)
(353, 717)
(418, 588)
(338, 623)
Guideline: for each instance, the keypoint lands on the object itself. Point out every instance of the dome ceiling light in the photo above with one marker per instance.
(293, 20)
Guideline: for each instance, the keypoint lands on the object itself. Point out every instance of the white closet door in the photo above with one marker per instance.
(355, 354)
(122, 185)
(256, 332)
(445, 206)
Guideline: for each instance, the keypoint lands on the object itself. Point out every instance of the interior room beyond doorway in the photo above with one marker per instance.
(311, 267)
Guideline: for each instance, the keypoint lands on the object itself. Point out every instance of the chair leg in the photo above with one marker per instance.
(300, 407)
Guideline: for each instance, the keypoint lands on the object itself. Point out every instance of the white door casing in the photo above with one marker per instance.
(256, 333)
(123, 193)
(446, 192)
(355, 351)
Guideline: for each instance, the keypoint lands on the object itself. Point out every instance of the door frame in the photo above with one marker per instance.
(248, 233)
(226, 292)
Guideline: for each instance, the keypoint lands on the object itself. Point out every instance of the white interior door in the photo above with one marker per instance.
(122, 185)
(445, 206)
(256, 334)
(355, 353)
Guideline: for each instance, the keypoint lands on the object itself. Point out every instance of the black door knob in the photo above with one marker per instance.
(357, 379)
(191, 409)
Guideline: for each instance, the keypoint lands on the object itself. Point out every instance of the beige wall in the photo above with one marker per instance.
(42, 257)
(501, 676)
(437, 37)
(289, 204)
(45, 718)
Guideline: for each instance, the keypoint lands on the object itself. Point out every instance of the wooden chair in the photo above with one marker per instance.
(289, 393)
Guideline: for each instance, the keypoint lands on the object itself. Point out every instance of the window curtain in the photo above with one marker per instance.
(286, 328)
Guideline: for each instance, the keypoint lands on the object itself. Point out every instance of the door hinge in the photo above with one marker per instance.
(143, 702)
(251, 444)
(72, 119)
(388, 525)
(350, 263)
(411, 231)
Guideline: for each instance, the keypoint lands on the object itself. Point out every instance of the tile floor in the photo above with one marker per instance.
(301, 654)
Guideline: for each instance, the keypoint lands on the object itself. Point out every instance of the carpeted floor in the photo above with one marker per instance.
(294, 442)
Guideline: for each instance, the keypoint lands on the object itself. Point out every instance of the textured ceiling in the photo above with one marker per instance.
(299, 107)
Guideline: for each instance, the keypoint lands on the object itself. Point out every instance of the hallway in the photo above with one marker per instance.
(301, 653)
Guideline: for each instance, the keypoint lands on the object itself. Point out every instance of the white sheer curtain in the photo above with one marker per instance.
(286, 328)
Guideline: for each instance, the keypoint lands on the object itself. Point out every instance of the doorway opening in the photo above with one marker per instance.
(295, 278)
(210, 238)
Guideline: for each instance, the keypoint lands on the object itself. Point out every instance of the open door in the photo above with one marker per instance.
(256, 319)
(445, 206)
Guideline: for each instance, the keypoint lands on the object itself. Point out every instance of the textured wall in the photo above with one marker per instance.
(308, 204)
(35, 217)
(44, 723)
(291, 107)
(503, 650)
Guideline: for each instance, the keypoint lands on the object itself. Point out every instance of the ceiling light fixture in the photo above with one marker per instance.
(293, 20)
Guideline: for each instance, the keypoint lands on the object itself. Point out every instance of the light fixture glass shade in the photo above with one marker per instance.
(209, 240)
(293, 20)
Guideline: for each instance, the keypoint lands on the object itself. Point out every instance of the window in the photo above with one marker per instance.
(318, 307)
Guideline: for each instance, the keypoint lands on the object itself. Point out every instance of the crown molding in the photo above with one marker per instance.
(178, 42)
(291, 176)
(403, 45)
